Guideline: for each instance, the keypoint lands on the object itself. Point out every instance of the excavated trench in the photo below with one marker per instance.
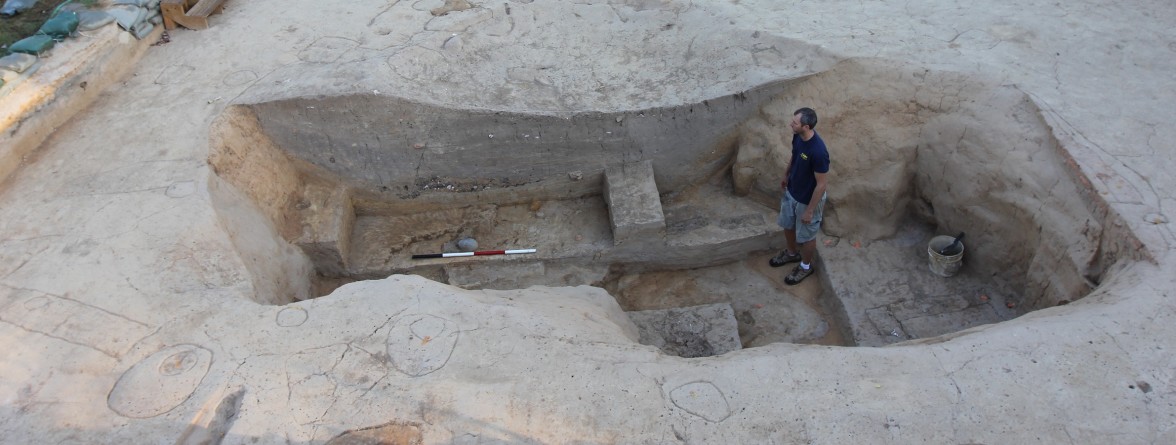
(672, 210)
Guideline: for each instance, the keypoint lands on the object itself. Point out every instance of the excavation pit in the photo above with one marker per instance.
(326, 190)
(706, 247)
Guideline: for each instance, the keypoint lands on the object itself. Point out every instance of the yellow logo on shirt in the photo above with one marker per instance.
(804, 156)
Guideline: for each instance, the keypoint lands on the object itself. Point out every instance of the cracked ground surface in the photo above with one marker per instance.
(126, 309)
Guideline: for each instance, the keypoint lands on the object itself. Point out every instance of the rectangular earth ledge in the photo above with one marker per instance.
(695, 331)
(634, 208)
(327, 216)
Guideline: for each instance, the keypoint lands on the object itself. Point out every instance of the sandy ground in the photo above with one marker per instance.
(128, 315)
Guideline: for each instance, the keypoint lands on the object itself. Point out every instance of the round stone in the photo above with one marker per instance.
(467, 244)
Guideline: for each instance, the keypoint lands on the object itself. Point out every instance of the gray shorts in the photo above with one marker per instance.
(790, 212)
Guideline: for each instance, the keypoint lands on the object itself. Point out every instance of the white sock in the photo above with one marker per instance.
(804, 265)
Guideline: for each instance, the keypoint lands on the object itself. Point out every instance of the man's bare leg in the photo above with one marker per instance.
(808, 252)
(790, 236)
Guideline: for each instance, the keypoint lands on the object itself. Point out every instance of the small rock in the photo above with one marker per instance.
(451, 6)
(576, 175)
(418, 146)
(467, 244)
(1144, 386)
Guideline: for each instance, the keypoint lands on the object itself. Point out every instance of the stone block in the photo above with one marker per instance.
(634, 208)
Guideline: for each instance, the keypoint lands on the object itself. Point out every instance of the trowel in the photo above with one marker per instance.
(955, 244)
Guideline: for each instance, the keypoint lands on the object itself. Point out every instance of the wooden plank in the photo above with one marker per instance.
(190, 22)
(170, 9)
(191, 14)
(204, 8)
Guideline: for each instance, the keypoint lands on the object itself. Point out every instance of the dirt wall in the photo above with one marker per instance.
(963, 153)
(405, 156)
(255, 189)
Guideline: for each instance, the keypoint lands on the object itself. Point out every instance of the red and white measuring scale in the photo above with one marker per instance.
(475, 253)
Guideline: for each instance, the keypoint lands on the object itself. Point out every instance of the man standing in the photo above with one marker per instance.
(802, 205)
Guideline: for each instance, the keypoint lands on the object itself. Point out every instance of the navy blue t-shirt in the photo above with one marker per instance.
(808, 157)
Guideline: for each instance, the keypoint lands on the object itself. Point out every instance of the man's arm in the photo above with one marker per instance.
(818, 192)
(787, 173)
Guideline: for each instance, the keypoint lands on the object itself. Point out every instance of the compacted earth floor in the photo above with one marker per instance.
(886, 289)
(890, 294)
(866, 292)
(768, 311)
